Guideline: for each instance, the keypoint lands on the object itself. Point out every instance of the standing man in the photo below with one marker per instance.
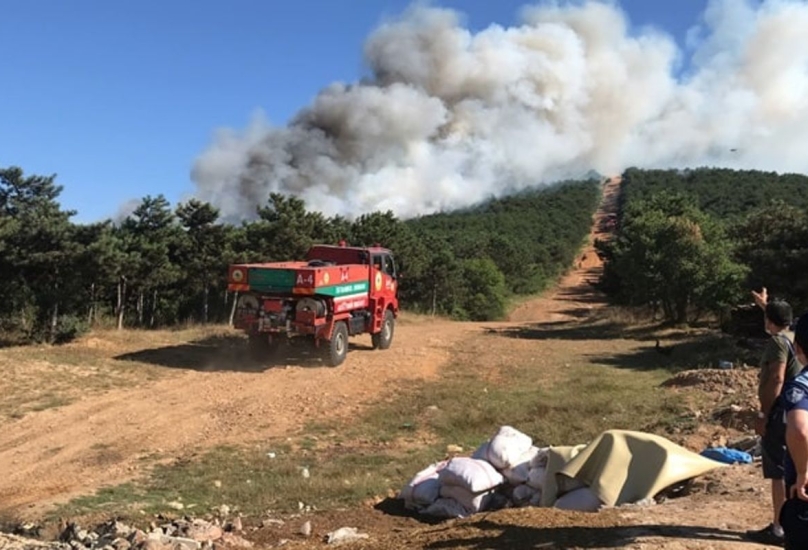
(778, 364)
(794, 402)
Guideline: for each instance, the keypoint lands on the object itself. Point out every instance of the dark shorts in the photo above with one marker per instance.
(773, 455)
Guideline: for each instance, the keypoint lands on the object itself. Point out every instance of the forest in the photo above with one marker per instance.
(696, 242)
(165, 265)
(688, 243)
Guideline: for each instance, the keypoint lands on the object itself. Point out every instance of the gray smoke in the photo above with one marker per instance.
(451, 117)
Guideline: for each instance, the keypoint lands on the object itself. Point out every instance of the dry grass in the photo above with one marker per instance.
(411, 318)
(39, 377)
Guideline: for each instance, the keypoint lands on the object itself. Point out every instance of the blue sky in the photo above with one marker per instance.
(118, 98)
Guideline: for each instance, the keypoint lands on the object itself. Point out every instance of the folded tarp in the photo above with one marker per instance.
(622, 467)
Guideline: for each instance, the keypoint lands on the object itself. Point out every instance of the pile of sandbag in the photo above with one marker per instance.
(506, 470)
(617, 467)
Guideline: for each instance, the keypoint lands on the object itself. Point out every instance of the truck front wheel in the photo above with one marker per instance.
(337, 348)
(383, 338)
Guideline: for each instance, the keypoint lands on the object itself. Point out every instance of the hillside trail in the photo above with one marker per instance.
(102, 439)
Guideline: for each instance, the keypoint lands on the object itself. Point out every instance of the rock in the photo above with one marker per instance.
(454, 449)
(137, 537)
(344, 535)
(68, 533)
(305, 529)
(272, 521)
(176, 505)
(202, 532)
(237, 526)
(744, 444)
(28, 529)
(116, 529)
(305, 473)
(16, 542)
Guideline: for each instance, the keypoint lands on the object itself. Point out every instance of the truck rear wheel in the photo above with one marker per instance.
(383, 338)
(337, 348)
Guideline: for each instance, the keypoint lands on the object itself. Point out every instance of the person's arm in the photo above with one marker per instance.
(761, 298)
(797, 442)
(771, 385)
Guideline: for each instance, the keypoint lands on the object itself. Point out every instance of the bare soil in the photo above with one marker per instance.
(213, 396)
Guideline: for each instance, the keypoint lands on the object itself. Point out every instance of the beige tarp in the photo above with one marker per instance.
(621, 467)
(557, 458)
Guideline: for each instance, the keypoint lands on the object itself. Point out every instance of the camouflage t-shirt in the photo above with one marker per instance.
(776, 352)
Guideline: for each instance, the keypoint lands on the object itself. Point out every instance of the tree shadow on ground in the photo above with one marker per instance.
(508, 537)
(692, 352)
(229, 353)
(678, 349)
(580, 294)
(576, 330)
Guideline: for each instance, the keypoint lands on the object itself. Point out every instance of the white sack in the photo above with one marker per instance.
(424, 488)
(473, 474)
(507, 447)
(582, 500)
(519, 473)
(472, 502)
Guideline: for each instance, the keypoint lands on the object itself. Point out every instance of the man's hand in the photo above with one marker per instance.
(761, 298)
(760, 426)
(799, 488)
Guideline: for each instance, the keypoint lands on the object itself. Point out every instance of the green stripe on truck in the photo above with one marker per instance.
(348, 289)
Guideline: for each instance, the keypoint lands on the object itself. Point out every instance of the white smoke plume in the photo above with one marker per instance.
(452, 117)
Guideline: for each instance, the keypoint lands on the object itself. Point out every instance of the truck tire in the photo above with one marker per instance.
(337, 348)
(383, 338)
